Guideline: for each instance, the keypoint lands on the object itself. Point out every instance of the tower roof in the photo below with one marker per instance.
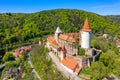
(86, 26)
(58, 30)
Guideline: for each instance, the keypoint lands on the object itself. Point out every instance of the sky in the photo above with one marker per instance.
(102, 7)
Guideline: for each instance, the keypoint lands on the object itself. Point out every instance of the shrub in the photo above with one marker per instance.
(43, 66)
(81, 51)
(7, 57)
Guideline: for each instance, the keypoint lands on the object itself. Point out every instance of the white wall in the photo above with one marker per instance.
(86, 39)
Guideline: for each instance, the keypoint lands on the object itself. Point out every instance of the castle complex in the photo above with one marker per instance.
(67, 46)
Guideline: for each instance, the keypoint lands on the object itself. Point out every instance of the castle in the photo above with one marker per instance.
(66, 45)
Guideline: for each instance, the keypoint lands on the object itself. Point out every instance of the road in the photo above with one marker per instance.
(3, 65)
(31, 66)
(70, 76)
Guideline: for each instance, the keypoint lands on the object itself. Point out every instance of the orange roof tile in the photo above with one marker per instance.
(71, 37)
(63, 36)
(105, 78)
(16, 54)
(69, 63)
(53, 42)
(86, 26)
(50, 39)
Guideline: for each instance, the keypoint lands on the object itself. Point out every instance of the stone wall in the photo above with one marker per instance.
(96, 57)
(90, 52)
(70, 47)
(85, 62)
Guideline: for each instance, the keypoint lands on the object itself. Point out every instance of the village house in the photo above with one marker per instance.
(18, 52)
(118, 43)
(66, 45)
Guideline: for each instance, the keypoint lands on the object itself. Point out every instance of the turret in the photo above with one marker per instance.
(57, 32)
(86, 35)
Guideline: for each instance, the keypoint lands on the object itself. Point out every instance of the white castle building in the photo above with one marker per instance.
(66, 45)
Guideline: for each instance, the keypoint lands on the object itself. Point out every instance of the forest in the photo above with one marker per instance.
(115, 18)
(20, 28)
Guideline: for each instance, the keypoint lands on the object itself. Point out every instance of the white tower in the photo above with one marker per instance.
(57, 32)
(86, 35)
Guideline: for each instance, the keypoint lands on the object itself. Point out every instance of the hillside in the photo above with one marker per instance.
(17, 27)
(115, 18)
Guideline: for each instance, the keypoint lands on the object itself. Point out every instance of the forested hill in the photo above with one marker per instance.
(20, 27)
(115, 18)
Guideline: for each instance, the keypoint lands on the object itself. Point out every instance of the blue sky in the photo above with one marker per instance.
(103, 7)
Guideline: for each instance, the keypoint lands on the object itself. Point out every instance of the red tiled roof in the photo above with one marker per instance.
(26, 48)
(63, 36)
(71, 37)
(53, 42)
(16, 54)
(105, 78)
(86, 26)
(50, 39)
(69, 63)
(117, 41)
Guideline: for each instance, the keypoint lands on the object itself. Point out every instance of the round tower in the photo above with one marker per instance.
(57, 32)
(86, 35)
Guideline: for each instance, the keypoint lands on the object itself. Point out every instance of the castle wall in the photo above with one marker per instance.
(90, 52)
(71, 71)
(50, 47)
(95, 58)
(85, 62)
(69, 46)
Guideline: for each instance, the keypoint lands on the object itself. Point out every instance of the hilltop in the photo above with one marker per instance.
(18, 27)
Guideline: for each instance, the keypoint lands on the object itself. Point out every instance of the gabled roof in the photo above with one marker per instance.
(69, 63)
(63, 36)
(86, 26)
(52, 41)
(16, 54)
(58, 30)
(70, 37)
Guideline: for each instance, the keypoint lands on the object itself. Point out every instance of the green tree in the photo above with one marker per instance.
(98, 70)
(95, 44)
(8, 57)
(81, 51)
